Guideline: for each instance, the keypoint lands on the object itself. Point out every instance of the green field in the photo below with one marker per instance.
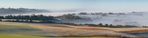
(23, 30)
(28, 30)
(11, 30)
(17, 36)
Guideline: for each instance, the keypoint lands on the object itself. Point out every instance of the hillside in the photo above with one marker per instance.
(60, 30)
(133, 18)
(7, 11)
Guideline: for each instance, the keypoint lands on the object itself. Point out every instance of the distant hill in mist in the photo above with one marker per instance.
(4, 11)
(134, 18)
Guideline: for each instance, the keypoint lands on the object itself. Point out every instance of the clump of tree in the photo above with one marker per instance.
(30, 18)
(83, 13)
(69, 16)
(1, 17)
(103, 25)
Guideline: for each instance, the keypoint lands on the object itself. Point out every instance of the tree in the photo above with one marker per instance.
(9, 17)
(69, 16)
(100, 24)
(31, 18)
(111, 25)
(1, 17)
(83, 13)
(106, 25)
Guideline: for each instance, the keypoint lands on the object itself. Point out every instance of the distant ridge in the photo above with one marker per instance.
(20, 10)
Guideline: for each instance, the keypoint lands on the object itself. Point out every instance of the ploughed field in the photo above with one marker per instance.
(29, 30)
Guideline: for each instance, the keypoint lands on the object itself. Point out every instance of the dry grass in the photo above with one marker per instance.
(71, 31)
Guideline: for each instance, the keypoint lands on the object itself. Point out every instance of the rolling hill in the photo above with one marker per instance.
(8, 11)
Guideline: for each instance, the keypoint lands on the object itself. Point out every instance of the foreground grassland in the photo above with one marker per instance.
(29, 30)
(12, 30)
(17, 36)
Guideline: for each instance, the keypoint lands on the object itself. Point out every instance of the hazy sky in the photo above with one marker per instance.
(99, 5)
(45, 4)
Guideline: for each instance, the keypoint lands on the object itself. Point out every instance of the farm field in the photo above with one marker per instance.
(30, 30)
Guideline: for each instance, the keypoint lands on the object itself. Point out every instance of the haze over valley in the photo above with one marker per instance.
(73, 18)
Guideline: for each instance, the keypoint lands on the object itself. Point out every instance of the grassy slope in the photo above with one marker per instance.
(17, 36)
(9, 30)
(54, 30)
(16, 30)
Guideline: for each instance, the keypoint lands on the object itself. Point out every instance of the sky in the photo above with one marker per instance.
(96, 5)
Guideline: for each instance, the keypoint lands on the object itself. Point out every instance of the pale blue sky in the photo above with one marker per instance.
(100, 5)
(45, 4)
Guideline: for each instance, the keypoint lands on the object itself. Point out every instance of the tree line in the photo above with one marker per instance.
(29, 18)
(102, 25)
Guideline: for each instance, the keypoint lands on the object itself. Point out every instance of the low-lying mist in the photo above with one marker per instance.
(134, 18)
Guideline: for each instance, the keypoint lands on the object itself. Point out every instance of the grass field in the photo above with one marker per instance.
(28, 30)
(12, 30)
(17, 36)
